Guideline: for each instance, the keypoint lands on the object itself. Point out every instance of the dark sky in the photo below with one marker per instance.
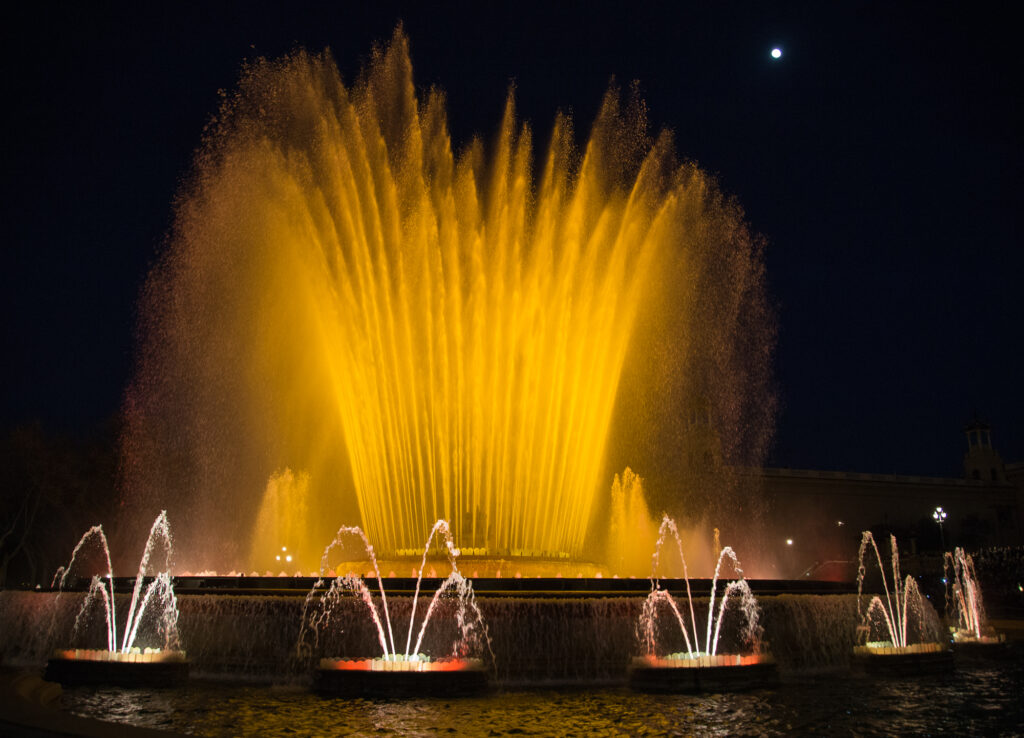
(881, 158)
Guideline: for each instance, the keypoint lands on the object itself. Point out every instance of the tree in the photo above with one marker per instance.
(52, 488)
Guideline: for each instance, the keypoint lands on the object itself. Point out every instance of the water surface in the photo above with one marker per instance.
(978, 701)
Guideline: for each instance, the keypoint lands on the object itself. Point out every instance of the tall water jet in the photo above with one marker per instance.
(422, 335)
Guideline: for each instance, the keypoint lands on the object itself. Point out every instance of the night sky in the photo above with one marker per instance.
(881, 158)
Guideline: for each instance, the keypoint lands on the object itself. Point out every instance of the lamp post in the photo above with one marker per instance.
(939, 516)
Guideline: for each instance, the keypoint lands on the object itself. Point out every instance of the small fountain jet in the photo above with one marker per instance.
(317, 614)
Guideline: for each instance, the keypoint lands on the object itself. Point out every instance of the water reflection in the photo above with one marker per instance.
(973, 702)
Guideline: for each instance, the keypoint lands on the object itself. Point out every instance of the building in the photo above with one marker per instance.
(822, 513)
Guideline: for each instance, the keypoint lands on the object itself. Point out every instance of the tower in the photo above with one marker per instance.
(981, 460)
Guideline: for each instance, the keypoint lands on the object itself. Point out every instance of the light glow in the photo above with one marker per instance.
(396, 333)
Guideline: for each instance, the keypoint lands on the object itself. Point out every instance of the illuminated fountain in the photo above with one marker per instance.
(901, 617)
(964, 604)
(699, 668)
(153, 604)
(395, 671)
(353, 322)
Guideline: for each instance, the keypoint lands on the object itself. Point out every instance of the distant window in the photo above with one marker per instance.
(976, 474)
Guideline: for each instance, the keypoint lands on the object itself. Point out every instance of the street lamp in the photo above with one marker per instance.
(939, 516)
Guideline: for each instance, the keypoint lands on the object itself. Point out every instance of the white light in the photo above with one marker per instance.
(839, 523)
(776, 53)
(278, 557)
(284, 548)
(288, 557)
(789, 541)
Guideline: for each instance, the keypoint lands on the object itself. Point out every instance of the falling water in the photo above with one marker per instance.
(319, 607)
(963, 593)
(158, 593)
(903, 608)
(422, 335)
(97, 588)
(659, 598)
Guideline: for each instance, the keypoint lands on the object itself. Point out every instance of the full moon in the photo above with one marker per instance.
(776, 53)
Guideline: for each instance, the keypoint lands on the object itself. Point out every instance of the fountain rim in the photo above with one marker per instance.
(483, 587)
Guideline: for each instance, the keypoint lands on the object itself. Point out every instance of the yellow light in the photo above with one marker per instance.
(422, 334)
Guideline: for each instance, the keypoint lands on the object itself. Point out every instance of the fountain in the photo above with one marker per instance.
(358, 319)
(123, 662)
(903, 616)
(972, 636)
(460, 671)
(696, 669)
(352, 321)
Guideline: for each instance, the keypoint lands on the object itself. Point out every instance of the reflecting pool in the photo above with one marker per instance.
(978, 701)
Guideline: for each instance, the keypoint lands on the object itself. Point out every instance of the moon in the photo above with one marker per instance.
(776, 53)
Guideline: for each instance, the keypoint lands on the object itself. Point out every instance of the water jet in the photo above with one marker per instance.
(352, 321)
(124, 664)
(395, 671)
(696, 669)
(903, 616)
(973, 638)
